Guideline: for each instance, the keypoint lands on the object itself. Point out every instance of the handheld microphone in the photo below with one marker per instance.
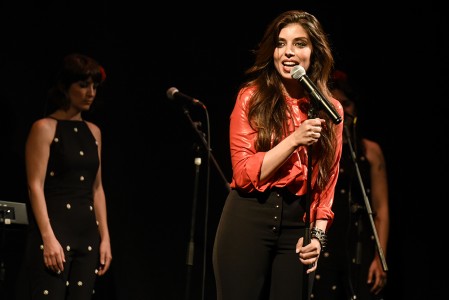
(299, 73)
(174, 94)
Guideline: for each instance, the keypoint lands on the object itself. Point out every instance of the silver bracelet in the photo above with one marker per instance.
(320, 235)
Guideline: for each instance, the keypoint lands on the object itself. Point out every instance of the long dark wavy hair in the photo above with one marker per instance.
(75, 67)
(268, 109)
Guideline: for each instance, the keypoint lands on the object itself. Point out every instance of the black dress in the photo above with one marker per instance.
(343, 266)
(71, 172)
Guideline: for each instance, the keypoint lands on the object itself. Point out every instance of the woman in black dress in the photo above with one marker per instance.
(68, 243)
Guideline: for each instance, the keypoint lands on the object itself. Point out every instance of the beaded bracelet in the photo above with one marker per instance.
(320, 235)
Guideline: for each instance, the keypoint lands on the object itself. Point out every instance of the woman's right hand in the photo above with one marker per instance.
(308, 132)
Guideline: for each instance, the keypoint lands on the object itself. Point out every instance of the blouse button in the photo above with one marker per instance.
(41, 247)
(68, 206)
(52, 173)
(67, 283)
(82, 153)
(68, 247)
(91, 208)
(56, 139)
(81, 178)
(89, 248)
(342, 191)
(75, 129)
(45, 292)
(80, 283)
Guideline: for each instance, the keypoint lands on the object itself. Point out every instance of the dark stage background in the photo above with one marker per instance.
(397, 58)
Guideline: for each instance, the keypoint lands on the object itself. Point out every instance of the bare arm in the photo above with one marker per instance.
(37, 151)
(100, 210)
(379, 200)
(379, 190)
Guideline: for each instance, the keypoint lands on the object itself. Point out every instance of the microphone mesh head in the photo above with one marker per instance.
(297, 72)
(171, 93)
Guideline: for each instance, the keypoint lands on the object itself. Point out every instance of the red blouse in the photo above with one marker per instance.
(247, 163)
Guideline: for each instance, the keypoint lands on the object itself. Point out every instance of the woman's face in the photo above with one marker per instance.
(294, 48)
(82, 94)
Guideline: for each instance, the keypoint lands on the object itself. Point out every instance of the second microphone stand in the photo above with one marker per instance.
(365, 198)
(191, 246)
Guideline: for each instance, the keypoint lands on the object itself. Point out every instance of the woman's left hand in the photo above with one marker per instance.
(377, 277)
(309, 254)
(105, 257)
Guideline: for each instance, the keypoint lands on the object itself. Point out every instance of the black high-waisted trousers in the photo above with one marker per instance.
(254, 254)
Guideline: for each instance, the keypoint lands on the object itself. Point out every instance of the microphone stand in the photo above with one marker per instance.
(191, 245)
(365, 198)
(206, 146)
(308, 278)
(312, 113)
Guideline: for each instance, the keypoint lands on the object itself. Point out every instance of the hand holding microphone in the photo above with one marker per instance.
(299, 73)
